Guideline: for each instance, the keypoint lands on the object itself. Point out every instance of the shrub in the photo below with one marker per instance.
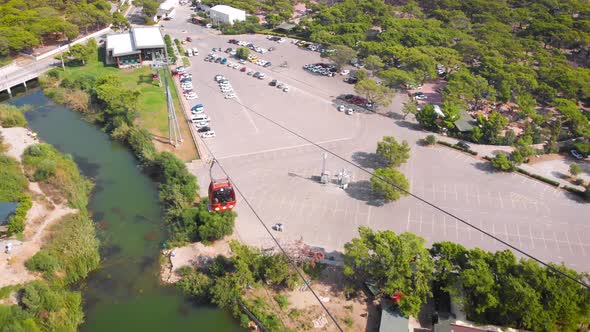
(575, 169)
(42, 262)
(16, 223)
(430, 140)
(282, 300)
(502, 163)
(12, 181)
(74, 247)
(12, 116)
(214, 226)
(194, 283)
(44, 163)
(141, 143)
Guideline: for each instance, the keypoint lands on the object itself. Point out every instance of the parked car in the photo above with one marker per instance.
(341, 108)
(576, 154)
(351, 80)
(261, 76)
(198, 109)
(191, 96)
(208, 134)
(345, 72)
(243, 69)
(203, 129)
(463, 145)
(286, 89)
(230, 96)
(273, 83)
(202, 124)
(349, 111)
(420, 96)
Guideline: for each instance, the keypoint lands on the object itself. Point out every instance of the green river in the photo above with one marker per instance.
(124, 293)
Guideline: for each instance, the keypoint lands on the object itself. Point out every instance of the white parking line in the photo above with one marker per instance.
(282, 148)
(501, 201)
(408, 224)
(580, 241)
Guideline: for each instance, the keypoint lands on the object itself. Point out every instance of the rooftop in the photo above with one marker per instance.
(466, 122)
(227, 10)
(286, 26)
(131, 42)
(392, 319)
(121, 44)
(148, 37)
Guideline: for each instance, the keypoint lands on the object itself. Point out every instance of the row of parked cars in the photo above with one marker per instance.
(186, 83)
(202, 121)
(279, 85)
(325, 69)
(276, 38)
(225, 86)
(251, 46)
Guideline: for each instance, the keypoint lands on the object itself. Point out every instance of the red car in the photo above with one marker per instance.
(243, 70)
(189, 39)
(221, 195)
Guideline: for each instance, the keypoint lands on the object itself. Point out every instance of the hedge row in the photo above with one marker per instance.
(169, 48)
(455, 146)
(16, 223)
(538, 177)
(179, 46)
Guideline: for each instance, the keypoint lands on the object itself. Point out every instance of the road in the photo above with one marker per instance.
(277, 171)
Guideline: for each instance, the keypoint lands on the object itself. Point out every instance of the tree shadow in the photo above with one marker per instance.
(363, 191)
(560, 175)
(394, 115)
(409, 125)
(145, 79)
(485, 166)
(576, 198)
(368, 160)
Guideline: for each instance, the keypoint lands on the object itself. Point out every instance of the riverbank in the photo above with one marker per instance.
(41, 216)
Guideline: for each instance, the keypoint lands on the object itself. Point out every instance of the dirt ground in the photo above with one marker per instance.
(193, 254)
(304, 312)
(18, 139)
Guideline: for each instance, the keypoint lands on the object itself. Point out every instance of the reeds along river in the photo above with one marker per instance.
(124, 293)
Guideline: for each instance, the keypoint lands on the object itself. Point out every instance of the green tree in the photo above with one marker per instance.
(410, 107)
(80, 53)
(120, 22)
(393, 152)
(242, 53)
(502, 163)
(389, 184)
(427, 117)
(575, 169)
(373, 62)
(374, 92)
(492, 126)
(194, 283)
(342, 55)
(397, 263)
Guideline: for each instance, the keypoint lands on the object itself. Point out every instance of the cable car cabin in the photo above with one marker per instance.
(221, 195)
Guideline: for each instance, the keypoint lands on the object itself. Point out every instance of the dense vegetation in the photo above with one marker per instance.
(12, 116)
(108, 101)
(530, 54)
(225, 281)
(274, 10)
(70, 254)
(493, 288)
(27, 24)
(60, 174)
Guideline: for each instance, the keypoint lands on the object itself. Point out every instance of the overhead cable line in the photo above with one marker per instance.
(291, 262)
(407, 192)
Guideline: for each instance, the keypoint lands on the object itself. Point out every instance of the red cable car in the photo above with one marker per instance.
(222, 196)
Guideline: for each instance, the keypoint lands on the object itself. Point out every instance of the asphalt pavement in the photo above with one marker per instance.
(277, 172)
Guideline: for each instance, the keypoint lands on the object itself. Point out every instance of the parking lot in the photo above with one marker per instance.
(277, 171)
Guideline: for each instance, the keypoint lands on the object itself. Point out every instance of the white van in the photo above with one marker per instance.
(189, 52)
(199, 118)
(195, 51)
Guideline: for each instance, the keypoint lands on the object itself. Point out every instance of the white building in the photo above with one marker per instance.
(167, 10)
(141, 45)
(226, 14)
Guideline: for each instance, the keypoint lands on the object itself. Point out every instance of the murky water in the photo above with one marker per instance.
(124, 294)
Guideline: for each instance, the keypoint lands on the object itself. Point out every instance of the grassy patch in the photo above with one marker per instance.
(58, 173)
(11, 116)
(152, 101)
(12, 181)
(186, 62)
(7, 290)
(72, 252)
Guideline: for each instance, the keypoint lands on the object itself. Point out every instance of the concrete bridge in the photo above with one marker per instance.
(15, 74)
